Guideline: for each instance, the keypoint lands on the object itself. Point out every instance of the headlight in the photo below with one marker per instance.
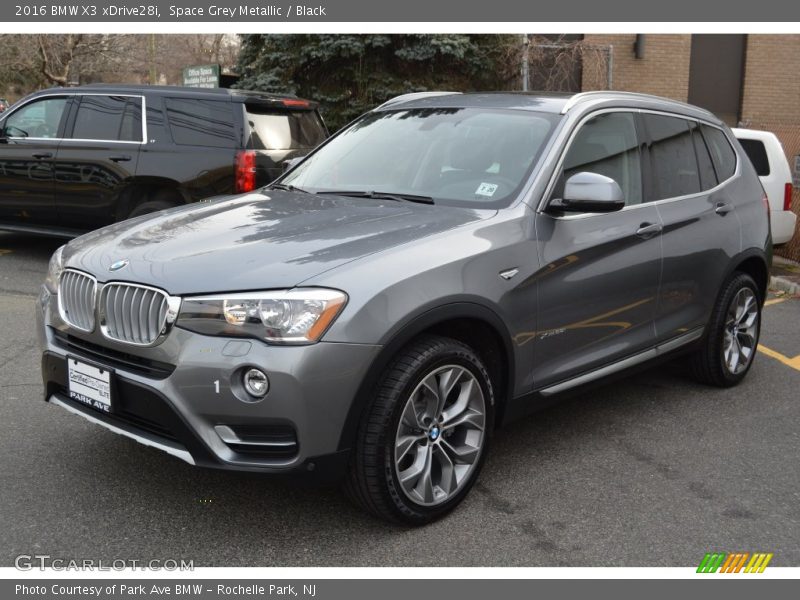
(297, 316)
(54, 270)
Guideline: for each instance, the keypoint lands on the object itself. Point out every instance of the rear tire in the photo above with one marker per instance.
(421, 444)
(160, 201)
(730, 343)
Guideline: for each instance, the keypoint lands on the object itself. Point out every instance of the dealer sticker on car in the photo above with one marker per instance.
(90, 385)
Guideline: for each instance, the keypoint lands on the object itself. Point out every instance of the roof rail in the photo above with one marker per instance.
(413, 96)
(584, 96)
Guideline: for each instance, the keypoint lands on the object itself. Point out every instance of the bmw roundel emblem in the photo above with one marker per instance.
(120, 264)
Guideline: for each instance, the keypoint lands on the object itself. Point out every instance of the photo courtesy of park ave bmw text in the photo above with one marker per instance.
(346, 299)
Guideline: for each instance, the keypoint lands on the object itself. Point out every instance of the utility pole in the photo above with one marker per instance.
(525, 67)
(151, 58)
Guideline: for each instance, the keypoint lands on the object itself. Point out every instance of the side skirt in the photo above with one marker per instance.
(544, 397)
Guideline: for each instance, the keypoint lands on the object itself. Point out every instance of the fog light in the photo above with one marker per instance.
(256, 383)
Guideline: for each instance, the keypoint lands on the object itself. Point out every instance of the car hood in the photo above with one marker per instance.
(257, 241)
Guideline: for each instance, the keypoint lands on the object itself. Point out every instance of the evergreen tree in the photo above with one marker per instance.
(350, 74)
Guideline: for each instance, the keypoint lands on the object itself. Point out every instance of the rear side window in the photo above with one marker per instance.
(109, 118)
(131, 128)
(196, 122)
(708, 176)
(721, 152)
(276, 130)
(673, 160)
(607, 144)
(757, 153)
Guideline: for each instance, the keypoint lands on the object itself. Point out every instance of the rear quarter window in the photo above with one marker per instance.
(283, 130)
(757, 154)
(721, 150)
(195, 122)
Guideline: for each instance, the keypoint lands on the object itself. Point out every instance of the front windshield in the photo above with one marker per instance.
(457, 156)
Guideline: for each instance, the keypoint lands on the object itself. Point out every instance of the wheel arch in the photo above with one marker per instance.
(138, 190)
(754, 262)
(474, 324)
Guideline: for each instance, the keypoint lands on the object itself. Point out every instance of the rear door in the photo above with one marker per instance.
(278, 134)
(690, 163)
(31, 138)
(97, 158)
(599, 285)
(205, 134)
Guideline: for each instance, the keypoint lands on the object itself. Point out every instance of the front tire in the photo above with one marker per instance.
(422, 442)
(730, 344)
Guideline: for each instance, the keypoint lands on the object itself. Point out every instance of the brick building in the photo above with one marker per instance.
(747, 80)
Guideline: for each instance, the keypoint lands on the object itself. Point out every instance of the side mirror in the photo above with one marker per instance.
(590, 193)
(291, 163)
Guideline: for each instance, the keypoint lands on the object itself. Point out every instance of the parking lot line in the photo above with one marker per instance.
(790, 362)
(794, 363)
(772, 301)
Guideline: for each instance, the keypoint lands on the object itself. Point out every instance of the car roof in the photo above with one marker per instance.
(754, 134)
(550, 102)
(176, 90)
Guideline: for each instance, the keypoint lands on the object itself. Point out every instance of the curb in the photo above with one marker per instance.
(785, 285)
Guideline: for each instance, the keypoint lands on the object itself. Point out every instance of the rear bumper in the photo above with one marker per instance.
(783, 226)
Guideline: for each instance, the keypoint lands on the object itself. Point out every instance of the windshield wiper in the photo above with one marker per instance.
(399, 197)
(285, 188)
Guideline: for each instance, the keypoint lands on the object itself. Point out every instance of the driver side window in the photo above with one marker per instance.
(39, 119)
(607, 144)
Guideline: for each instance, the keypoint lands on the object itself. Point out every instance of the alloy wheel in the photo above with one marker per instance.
(440, 435)
(741, 331)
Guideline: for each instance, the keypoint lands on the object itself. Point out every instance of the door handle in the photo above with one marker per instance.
(648, 230)
(722, 208)
(42, 155)
(120, 158)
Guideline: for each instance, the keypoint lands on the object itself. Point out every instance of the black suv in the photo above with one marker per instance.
(75, 159)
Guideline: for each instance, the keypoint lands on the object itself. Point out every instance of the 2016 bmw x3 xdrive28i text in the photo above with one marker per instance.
(441, 266)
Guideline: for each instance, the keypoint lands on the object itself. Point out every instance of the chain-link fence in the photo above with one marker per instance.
(559, 64)
(568, 67)
(789, 135)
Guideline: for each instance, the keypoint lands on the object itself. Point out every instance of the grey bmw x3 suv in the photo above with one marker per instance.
(445, 264)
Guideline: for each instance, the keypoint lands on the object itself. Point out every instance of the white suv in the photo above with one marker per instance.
(767, 155)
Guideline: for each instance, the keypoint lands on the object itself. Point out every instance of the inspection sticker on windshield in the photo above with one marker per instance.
(89, 385)
(486, 189)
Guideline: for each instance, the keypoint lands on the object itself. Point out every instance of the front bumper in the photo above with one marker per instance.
(184, 396)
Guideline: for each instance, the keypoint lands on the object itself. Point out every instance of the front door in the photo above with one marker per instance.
(29, 141)
(598, 286)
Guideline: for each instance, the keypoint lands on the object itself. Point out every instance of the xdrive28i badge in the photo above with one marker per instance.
(120, 264)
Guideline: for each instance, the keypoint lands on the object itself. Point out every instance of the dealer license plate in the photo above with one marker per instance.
(89, 385)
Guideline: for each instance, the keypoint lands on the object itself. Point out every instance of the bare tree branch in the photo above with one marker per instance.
(31, 62)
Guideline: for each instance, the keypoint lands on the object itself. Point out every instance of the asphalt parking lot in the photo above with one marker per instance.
(655, 470)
